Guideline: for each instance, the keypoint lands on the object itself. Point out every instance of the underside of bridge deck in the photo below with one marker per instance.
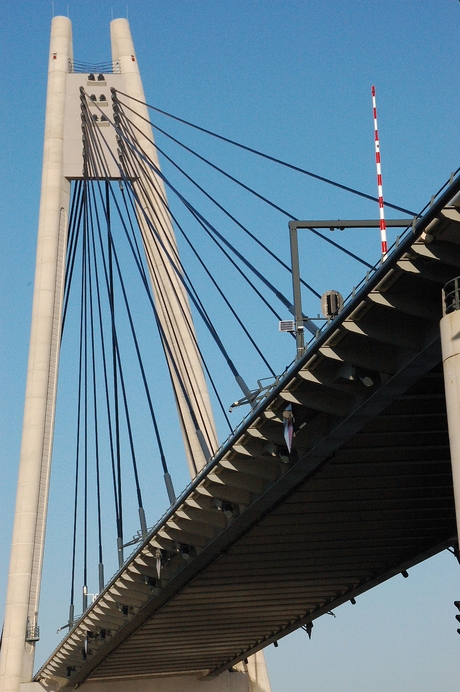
(268, 539)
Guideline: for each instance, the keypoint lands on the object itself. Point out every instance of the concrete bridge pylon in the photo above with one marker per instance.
(63, 162)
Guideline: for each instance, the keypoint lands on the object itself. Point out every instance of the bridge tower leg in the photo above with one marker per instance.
(193, 405)
(450, 342)
(20, 627)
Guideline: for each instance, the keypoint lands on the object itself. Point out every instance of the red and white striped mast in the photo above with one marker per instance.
(383, 226)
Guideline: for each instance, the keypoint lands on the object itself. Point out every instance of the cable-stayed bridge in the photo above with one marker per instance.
(265, 541)
(339, 477)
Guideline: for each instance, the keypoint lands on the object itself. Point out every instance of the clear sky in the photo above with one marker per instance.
(293, 79)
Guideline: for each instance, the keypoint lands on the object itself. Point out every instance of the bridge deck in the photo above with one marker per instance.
(265, 541)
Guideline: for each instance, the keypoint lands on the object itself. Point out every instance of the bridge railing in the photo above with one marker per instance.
(78, 66)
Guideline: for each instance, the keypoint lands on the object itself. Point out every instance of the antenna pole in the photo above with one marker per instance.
(383, 226)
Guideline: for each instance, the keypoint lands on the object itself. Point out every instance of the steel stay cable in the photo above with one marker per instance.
(190, 207)
(131, 444)
(118, 508)
(208, 323)
(161, 297)
(185, 284)
(139, 356)
(114, 340)
(225, 211)
(77, 468)
(74, 221)
(203, 360)
(177, 372)
(267, 156)
(120, 373)
(221, 293)
(146, 388)
(210, 326)
(180, 353)
(139, 262)
(74, 205)
(256, 194)
(80, 389)
(141, 270)
(227, 302)
(120, 370)
(213, 237)
(194, 299)
(82, 202)
(211, 379)
(95, 400)
(206, 226)
(104, 365)
(83, 384)
(135, 147)
(241, 257)
(163, 337)
(85, 396)
(172, 249)
(92, 164)
(261, 197)
(232, 262)
(235, 220)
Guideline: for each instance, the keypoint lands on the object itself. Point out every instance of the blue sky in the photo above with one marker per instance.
(292, 79)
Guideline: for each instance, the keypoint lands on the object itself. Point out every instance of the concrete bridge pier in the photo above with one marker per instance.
(450, 342)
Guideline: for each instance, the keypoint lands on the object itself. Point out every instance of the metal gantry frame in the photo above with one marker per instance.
(335, 224)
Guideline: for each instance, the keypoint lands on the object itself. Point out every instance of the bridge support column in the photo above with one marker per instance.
(20, 628)
(450, 342)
